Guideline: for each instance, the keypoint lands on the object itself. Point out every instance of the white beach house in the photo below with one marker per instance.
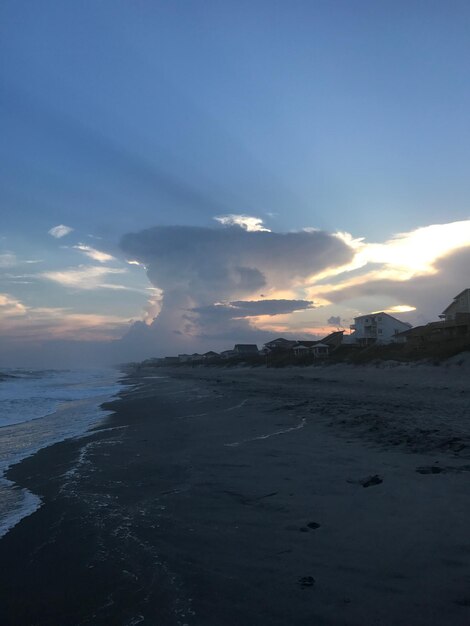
(461, 304)
(376, 328)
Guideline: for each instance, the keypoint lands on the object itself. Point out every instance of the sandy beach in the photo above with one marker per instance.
(308, 496)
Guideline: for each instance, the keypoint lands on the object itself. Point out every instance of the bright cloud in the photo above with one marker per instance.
(398, 308)
(401, 258)
(10, 307)
(84, 277)
(43, 323)
(411, 253)
(60, 231)
(93, 253)
(251, 224)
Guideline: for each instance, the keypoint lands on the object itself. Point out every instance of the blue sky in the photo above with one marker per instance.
(117, 117)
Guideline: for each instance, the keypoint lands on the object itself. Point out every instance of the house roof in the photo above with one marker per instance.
(359, 317)
(281, 340)
(455, 298)
(432, 327)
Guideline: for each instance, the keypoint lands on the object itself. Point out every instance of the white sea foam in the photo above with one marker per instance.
(38, 409)
(269, 435)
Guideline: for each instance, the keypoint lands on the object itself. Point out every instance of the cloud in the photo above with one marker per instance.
(214, 264)
(22, 322)
(334, 320)
(427, 293)
(84, 277)
(93, 253)
(8, 259)
(398, 308)
(10, 307)
(251, 224)
(253, 308)
(45, 324)
(198, 267)
(60, 231)
(403, 256)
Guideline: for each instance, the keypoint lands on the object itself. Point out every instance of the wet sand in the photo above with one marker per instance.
(336, 496)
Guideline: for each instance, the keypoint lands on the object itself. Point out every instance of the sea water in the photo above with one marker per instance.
(37, 409)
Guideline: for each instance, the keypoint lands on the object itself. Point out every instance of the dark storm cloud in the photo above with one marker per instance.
(220, 263)
(252, 308)
(334, 320)
(199, 267)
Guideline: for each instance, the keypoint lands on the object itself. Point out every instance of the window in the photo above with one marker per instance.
(380, 331)
(379, 319)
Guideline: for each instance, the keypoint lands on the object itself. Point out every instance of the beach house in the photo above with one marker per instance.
(454, 326)
(376, 328)
(279, 344)
(302, 348)
(245, 349)
(459, 308)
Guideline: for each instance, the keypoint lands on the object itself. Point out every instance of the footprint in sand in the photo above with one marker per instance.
(370, 481)
(313, 525)
(309, 526)
(430, 469)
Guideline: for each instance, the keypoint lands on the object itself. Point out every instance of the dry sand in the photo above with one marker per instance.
(316, 496)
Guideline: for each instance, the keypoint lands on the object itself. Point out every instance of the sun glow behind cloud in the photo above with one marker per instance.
(411, 253)
(401, 258)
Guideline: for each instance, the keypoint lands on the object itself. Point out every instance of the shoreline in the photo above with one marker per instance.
(69, 419)
(155, 517)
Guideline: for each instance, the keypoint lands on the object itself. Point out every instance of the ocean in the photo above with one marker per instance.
(37, 409)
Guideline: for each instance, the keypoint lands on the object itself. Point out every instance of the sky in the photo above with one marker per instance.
(182, 176)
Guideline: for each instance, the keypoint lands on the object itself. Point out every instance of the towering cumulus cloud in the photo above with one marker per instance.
(199, 268)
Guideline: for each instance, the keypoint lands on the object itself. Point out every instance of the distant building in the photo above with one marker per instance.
(317, 349)
(437, 332)
(184, 358)
(170, 360)
(302, 348)
(320, 350)
(460, 305)
(227, 354)
(279, 344)
(334, 339)
(245, 349)
(376, 328)
(210, 356)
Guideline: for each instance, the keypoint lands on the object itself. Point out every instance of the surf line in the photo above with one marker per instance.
(230, 408)
(278, 432)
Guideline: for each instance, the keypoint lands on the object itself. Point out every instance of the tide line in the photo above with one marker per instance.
(278, 432)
